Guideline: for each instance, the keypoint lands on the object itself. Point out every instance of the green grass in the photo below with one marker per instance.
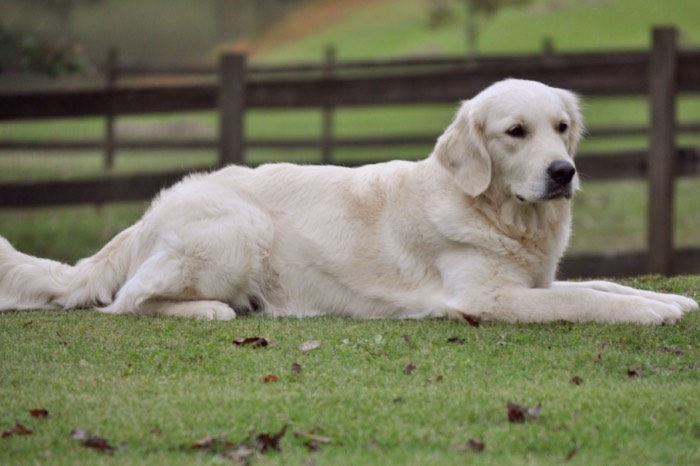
(154, 386)
(400, 27)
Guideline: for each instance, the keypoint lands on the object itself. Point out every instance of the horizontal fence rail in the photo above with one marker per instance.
(628, 165)
(233, 88)
(590, 75)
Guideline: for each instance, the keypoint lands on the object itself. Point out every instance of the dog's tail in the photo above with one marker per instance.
(28, 282)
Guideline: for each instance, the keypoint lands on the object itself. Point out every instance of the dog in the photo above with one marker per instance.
(473, 232)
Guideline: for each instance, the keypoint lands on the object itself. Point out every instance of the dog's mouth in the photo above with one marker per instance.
(553, 193)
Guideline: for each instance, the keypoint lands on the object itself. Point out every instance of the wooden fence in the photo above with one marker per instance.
(659, 74)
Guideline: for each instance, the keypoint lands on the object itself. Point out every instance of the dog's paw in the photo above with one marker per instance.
(647, 312)
(686, 304)
(214, 310)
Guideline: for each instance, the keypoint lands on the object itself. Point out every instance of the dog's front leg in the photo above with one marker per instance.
(686, 304)
(562, 303)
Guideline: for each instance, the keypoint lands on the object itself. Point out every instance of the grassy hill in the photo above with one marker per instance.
(384, 28)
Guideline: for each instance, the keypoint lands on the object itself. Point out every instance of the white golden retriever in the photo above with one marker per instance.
(473, 232)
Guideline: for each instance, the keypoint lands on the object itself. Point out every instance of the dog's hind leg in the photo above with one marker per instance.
(169, 285)
(204, 270)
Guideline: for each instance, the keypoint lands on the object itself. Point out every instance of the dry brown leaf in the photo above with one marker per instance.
(576, 380)
(253, 342)
(472, 320)
(520, 414)
(39, 413)
(472, 444)
(98, 443)
(265, 441)
(17, 429)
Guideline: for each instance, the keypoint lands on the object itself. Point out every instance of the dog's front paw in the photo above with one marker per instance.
(215, 310)
(648, 312)
(686, 304)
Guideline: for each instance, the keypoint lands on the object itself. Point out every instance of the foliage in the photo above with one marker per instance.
(21, 52)
(61, 8)
(441, 13)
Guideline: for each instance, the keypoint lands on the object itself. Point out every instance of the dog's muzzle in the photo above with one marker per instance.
(559, 177)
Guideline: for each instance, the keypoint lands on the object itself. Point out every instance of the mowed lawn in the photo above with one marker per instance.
(82, 388)
(169, 391)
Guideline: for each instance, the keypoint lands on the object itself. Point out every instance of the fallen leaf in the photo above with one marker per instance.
(265, 441)
(571, 454)
(410, 367)
(240, 455)
(39, 413)
(672, 350)
(409, 341)
(207, 443)
(78, 434)
(313, 442)
(632, 373)
(457, 340)
(310, 345)
(271, 378)
(98, 443)
(519, 414)
(296, 368)
(576, 380)
(471, 320)
(253, 342)
(17, 429)
(439, 378)
(472, 444)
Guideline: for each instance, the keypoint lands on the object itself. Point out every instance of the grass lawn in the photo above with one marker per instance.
(382, 392)
(373, 392)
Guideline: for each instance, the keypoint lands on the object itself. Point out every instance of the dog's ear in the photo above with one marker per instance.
(461, 149)
(576, 127)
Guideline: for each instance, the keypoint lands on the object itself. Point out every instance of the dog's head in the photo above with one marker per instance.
(516, 137)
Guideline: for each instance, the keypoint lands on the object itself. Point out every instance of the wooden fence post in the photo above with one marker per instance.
(327, 113)
(112, 74)
(662, 150)
(231, 102)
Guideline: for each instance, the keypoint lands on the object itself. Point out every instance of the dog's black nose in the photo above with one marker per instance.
(561, 172)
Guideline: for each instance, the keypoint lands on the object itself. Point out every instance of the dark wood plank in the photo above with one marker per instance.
(662, 101)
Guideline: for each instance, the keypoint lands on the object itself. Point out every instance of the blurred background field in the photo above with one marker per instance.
(609, 216)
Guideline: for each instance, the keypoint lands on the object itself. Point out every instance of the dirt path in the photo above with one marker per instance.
(309, 18)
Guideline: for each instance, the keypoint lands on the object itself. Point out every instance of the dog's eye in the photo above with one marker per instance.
(562, 127)
(517, 131)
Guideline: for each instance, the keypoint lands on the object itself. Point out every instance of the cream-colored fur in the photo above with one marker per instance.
(475, 231)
